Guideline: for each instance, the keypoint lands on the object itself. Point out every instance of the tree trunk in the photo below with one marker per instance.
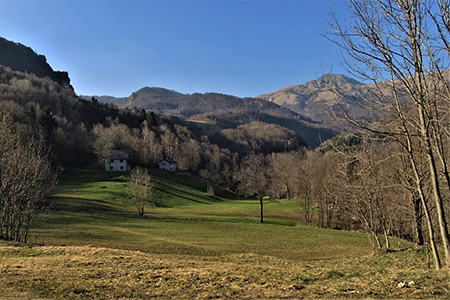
(261, 205)
(386, 237)
(435, 185)
(417, 222)
(288, 192)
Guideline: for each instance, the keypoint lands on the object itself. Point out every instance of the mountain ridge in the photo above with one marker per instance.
(226, 111)
(311, 98)
(19, 57)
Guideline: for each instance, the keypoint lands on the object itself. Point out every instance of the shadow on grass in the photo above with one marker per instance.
(80, 177)
(80, 205)
(164, 188)
(219, 219)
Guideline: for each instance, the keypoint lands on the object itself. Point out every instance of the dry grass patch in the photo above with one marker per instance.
(100, 273)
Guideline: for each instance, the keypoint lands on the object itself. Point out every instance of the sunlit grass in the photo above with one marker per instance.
(99, 273)
(195, 236)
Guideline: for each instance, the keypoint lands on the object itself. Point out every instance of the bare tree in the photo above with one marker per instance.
(150, 150)
(103, 143)
(284, 168)
(309, 183)
(253, 178)
(189, 156)
(26, 177)
(368, 183)
(402, 47)
(141, 188)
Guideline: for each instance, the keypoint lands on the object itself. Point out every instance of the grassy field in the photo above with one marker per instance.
(93, 244)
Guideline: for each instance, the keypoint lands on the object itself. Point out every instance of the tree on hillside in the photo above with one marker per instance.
(403, 48)
(151, 150)
(47, 124)
(189, 157)
(26, 176)
(142, 115)
(369, 185)
(151, 119)
(141, 188)
(253, 178)
(309, 181)
(284, 169)
(103, 143)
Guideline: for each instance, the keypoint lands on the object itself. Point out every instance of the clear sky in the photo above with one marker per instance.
(241, 48)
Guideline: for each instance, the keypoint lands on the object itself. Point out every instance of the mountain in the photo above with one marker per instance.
(119, 101)
(213, 112)
(315, 98)
(22, 58)
(311, 98)
(148, 97)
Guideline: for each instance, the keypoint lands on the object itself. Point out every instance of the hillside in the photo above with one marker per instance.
(119, 101)
(311, 98)
(22, 58)
(226, 111)
(153, 99)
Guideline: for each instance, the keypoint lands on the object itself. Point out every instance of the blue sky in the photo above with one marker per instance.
(241, 48)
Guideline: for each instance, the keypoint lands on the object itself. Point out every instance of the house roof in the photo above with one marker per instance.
(168, 160)
(119, 154)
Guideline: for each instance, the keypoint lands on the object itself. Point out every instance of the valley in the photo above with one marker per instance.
(334, 188)
(93, 244)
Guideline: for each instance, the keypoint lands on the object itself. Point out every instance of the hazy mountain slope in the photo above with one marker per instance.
(22, 58)
(119, 101)
(310, 98)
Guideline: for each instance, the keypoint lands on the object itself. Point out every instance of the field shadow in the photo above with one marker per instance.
(80, 205)
(179, 195)
(185, 195)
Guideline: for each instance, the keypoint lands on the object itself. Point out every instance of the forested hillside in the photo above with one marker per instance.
(228, 112)
(22, 58)
(106, 99)
(76, 129)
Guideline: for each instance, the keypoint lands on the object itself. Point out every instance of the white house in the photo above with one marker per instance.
(168, 165)
(118, 161)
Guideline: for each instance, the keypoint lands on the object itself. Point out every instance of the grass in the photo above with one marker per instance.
(93, 272)
(93, 244)
(213, 236)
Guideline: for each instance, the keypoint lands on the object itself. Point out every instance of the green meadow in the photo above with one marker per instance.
(92, 243)
(93, 208)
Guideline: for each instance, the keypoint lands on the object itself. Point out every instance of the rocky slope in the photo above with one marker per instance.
(312, 99)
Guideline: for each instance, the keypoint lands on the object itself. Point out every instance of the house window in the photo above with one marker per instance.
(112, 160)
(121, 167)
(112, 167)
(121, 160)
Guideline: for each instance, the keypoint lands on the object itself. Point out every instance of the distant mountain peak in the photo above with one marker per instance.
(157, 91)
(310, 99)
(334, 79)
(143, 96)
